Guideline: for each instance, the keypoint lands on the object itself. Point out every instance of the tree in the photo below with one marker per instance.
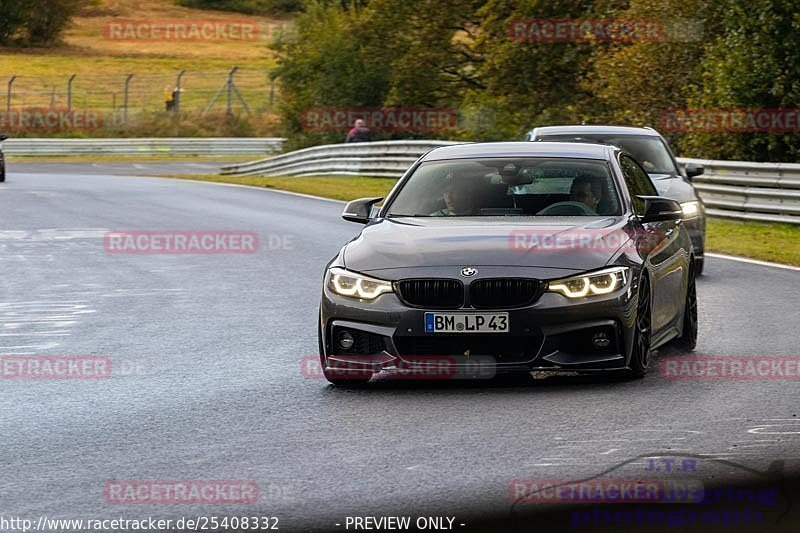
(23, 22)
(323, 64)
(527, 83)
(635, 82)
(753, 63)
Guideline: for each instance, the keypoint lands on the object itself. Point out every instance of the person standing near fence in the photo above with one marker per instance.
(359, 134)
(169, 95)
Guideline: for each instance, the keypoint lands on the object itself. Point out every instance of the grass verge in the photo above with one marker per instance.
(759, 240)
(768, 242)
(336, 187)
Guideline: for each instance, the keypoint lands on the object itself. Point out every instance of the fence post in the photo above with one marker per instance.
(271, 92)
(8, 98)
(229, 111)
(230, 89)
(69, 93)
(177, 102)
(125, 102)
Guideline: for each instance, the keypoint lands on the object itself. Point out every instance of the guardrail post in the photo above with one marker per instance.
(69, 93)
(125, 104)
(8, 97)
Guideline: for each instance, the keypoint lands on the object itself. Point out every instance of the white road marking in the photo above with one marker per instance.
(759, 429)
(751, 261)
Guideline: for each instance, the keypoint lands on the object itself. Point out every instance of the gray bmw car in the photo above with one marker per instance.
(510, 257)
(648, 147)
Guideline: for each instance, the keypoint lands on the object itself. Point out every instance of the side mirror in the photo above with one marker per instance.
(693, 169)
(660, 209)
(359, 210)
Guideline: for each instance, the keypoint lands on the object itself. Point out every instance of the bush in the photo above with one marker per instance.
(324, 65)
(23, 22)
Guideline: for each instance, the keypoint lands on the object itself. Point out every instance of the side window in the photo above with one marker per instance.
(638, 182)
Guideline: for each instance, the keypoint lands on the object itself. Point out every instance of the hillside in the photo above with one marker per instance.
(102, 58)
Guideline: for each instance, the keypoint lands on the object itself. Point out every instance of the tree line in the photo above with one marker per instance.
(494, 62)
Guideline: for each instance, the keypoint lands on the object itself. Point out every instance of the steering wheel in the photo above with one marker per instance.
(567, 209)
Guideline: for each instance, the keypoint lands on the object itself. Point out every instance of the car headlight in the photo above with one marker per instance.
(690, 209)
(592, 284)
(348, 283)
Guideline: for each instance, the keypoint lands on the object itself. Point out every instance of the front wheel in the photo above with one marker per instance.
(698, 266)
(688, 340)
(640, 353)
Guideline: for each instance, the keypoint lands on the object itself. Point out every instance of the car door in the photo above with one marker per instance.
(667, 258)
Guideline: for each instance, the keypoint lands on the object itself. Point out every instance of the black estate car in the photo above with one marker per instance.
(648, 147)
(513, 257)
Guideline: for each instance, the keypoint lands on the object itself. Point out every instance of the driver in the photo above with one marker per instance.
(586, 190)
(458, 197)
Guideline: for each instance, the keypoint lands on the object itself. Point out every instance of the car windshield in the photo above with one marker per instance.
(650, 151)
(508, 187)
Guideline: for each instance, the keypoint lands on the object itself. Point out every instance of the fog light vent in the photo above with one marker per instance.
(346, 340)
(601, 340)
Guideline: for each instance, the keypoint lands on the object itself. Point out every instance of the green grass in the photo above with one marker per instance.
(101, 65)
(768, 242)
(336, 187)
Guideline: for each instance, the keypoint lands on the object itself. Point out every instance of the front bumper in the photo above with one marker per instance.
(554, 334)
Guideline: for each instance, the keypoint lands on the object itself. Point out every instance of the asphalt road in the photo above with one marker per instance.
(207, 353)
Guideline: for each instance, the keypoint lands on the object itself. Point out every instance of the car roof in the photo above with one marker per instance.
(610, 130)
(521, 149)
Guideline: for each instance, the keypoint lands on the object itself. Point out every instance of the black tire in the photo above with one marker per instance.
(688, 340)
(698, 266)
(2, 173)
(642, 330)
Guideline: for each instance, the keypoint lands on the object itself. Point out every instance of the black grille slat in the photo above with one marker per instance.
(498, 293)
(432, 293)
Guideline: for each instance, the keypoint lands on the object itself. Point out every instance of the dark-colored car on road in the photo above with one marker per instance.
(648, 147)
(2, 159)
(545, 257)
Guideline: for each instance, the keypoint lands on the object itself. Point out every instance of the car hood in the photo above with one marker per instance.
(674, 187)
(390, 247)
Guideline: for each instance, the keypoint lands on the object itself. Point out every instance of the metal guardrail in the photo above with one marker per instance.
(253, 146)
(732, 189)
(380, 159)
(768, 192)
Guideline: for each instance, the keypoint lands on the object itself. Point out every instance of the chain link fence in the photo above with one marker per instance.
(125, 98)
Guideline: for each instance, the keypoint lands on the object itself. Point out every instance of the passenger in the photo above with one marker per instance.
(586, 190)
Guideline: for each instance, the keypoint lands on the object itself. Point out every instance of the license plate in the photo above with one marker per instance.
(466, 323)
